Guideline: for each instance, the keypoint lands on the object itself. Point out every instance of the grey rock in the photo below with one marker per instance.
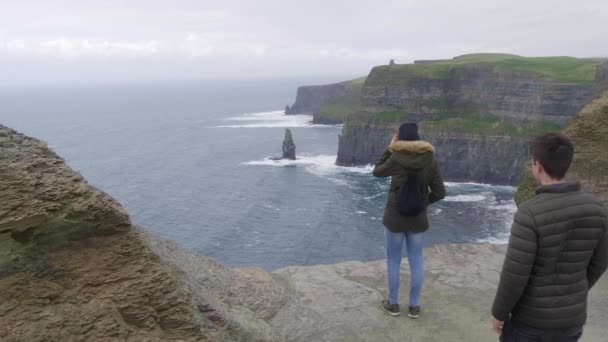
(289, 147)
(340, 302)
(601, 78)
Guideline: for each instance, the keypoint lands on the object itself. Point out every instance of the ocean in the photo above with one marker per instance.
(190, 162)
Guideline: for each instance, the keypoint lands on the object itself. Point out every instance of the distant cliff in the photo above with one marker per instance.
(494, 158)
(513, 88)
(330, 103)
(589, 132)
(480, 110)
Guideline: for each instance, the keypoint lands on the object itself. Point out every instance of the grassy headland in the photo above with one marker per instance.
(342, 106)
(562, 69)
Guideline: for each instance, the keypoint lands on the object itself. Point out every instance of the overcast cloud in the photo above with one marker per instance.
(92, 41)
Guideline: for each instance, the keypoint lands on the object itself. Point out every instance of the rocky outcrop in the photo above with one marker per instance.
(483, 88)
(289, 147)
(309, 99)
(74, 268)
(462, 157)
(601, 78)
(589, 133)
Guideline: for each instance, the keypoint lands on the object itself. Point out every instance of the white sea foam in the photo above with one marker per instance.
(361, 212)
(374, 196)
(272, 119)
(494, 240)
(480, 185)
(320, 165)
(466, 198)
(505, 211)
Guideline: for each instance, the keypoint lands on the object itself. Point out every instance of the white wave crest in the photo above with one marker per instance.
(320, 165)
(501, 240)
(479, 185)
(272, 119)
(466, 198)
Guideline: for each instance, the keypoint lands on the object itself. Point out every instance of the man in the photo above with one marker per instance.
(557, 251)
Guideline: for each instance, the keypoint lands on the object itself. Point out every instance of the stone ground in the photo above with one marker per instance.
(341, 302)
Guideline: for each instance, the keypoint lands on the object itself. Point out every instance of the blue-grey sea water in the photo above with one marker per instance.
(190, 162)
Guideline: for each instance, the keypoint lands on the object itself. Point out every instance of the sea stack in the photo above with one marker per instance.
(289, 148)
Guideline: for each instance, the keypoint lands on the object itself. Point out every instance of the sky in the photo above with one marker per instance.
(62, 41)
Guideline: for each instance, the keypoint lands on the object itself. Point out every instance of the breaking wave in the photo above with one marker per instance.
(272, 119)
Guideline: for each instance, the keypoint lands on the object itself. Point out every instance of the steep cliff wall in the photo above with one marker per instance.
(589, 132)
(329, 104)
(309, 99)
(463, 156)
(601, 78)
(73, 268)
(436, 90)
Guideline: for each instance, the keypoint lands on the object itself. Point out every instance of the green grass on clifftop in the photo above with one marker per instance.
(562, 69)
(338, 109)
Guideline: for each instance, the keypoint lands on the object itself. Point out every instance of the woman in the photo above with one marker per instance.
(407, 156)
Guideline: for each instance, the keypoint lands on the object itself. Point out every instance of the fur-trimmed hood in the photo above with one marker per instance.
(413, 155)
(418, 146)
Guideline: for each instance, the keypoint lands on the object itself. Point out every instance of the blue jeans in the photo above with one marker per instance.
(415, 245)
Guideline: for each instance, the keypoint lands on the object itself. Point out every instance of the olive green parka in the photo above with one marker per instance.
(397, 161)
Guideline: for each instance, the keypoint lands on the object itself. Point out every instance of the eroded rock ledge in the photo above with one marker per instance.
(74, 268)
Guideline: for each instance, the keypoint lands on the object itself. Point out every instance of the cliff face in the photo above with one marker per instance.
(73, 268)
(329, 104)
(601, 78)
(309, 99)
(510, 94)
(589, 132)
(494, 159)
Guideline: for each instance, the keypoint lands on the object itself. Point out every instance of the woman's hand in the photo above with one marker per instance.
(394, 138)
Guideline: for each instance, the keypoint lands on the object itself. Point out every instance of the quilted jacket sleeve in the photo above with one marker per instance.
(599, 260)
(521, 254)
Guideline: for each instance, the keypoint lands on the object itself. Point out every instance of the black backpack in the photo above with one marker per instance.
(410, 199)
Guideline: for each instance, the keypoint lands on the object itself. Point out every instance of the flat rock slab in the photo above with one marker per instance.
(341, 302)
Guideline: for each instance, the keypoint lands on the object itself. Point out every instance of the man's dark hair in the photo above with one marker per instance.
(554, 151)
(409, 132)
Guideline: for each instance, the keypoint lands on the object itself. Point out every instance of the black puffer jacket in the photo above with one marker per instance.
(557, 251)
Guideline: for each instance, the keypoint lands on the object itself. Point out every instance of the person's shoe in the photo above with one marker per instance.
(414, 312)
(391, 309)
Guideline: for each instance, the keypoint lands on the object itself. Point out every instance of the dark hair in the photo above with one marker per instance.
(409, 132)
(554, 151)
